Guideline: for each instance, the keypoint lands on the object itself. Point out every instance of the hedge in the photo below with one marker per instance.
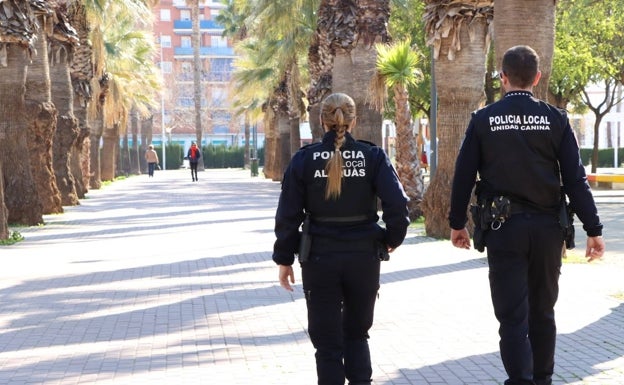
(221, 156)
(605, 157)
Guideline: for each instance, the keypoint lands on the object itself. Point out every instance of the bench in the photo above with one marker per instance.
(605, 180)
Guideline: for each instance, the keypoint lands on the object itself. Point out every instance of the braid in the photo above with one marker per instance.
(337, 114)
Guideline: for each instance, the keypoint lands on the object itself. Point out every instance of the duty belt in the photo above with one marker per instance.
(354, 218)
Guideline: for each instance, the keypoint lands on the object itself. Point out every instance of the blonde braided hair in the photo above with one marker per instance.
(337, 114)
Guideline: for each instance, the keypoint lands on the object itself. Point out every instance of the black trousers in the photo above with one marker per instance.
(524, 258)
(340, 295)
(193, 170)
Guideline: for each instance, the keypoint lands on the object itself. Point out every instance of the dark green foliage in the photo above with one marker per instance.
(605, 156)
(221, 156)
(175, 155)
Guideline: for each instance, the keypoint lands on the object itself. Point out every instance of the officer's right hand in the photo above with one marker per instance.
(460, 238)
(595, 248)
(286, 274)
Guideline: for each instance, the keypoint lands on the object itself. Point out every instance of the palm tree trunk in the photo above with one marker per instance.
(271, 142)
(408, 163)
(355, 59)
(529, 22)
(95, 178)
(135, 165)
(20, 197)
(81, 73)
(41, 123)
(110, 151)
(456, 102)
(147, 128)
(320, 63)
(4, 223)
(197, 70)
(67, 124)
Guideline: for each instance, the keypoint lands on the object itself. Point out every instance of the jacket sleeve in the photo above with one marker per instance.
(464, 178)
(575, 183)
(290, 214)
(393, 200)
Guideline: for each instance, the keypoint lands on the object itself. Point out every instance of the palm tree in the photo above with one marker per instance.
(529, 22)
(459, 33)
(62, 45)
(132, 83)
(18, 31)
(42, 115)
(82, 74)
(353, 27)
(197, 69)
(281, 30)
(396, 66)
(4, 225)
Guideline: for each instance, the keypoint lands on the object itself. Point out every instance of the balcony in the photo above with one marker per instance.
(204, 25)
(204, 51)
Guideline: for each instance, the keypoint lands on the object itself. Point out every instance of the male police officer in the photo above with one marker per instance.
(525, 153)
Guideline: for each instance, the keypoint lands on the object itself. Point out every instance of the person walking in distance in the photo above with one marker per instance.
(332, 188)
(518, 211)
(193, 155)
(151, 157)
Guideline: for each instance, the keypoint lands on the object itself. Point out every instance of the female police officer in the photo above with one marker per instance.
(523, 150)
(337, 183)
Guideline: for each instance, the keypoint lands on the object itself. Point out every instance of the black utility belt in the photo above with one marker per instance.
(494, 212)
(353, 218)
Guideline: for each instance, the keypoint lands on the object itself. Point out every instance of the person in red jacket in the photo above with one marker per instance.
(193, 155)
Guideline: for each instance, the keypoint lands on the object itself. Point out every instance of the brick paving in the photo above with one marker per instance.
(166, 281)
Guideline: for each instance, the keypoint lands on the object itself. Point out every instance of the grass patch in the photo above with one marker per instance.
(14, 237)
(574, 256)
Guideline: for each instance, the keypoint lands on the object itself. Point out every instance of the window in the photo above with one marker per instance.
(218, 41)
(165, 15)
(165, 41)
(187, 67)
(166, 67)
(185, 41)
(185, 14)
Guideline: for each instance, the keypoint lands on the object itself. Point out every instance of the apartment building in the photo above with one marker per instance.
(176, 121)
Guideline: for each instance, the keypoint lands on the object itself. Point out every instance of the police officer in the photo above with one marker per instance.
(525, 153)
(337, 183)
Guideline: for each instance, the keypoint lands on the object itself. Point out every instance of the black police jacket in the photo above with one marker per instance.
(525, 149)
(367, 174)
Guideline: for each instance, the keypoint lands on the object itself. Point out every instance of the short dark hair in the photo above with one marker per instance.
(520, 65)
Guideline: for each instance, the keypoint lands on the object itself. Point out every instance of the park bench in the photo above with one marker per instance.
(606, 180)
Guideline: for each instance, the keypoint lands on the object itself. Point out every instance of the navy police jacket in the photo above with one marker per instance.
(525, 149)
(367, 175)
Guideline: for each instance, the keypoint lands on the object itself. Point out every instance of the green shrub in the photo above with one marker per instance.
(605, 156)
(222, 156)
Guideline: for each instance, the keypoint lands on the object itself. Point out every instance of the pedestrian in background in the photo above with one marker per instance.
(336, 184)
(151, 157)
(526, 156)
(193, 155)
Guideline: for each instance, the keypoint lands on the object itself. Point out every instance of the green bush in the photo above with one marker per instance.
(605, 156)
(222, 156)
(175, 155)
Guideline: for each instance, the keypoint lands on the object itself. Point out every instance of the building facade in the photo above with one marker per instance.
(176, 121)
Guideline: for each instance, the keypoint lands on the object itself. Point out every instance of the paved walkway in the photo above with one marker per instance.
(166, 281)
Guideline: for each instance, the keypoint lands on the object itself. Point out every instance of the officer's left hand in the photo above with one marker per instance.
(460, 238)
(286, 274)
(595, 248)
